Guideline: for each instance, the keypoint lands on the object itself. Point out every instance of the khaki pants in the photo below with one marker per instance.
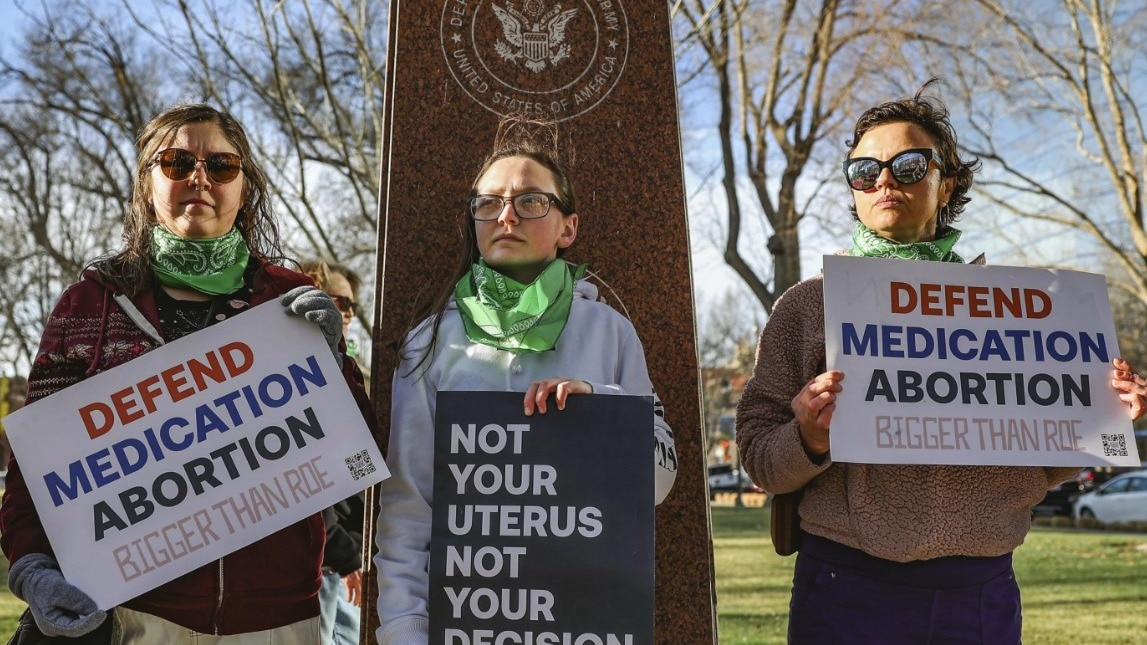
(138, 628)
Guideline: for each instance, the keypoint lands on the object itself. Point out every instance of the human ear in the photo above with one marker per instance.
(947, 186)
(569, 231)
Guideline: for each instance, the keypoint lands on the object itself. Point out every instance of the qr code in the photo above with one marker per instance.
(360, 465)
(1114, 445)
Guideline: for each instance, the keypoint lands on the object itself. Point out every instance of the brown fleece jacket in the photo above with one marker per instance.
(895, 512)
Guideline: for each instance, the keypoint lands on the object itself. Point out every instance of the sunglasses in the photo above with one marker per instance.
(908, 167)
(345, 304)
(178, 164)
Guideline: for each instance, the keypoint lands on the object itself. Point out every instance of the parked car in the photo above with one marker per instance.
(1122, 499)
(1059, 500)
(723, 478)
(1092, 477)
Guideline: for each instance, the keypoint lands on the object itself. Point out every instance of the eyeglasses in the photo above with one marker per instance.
(178, 164)
(527, 205)
(345, 304)
(908, 167)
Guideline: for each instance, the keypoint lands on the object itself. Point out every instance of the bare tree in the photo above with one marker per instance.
(727, 331)
(783, 76)
(66, 127)
(1057, 101)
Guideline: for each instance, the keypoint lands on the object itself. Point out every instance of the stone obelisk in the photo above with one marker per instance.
(604, 70)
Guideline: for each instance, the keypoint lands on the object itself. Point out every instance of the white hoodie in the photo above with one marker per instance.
(598, 345)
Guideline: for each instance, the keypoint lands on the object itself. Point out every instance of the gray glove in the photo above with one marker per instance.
(60, 608)
(317, 307)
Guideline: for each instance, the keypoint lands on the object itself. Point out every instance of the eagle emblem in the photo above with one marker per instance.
(535, 35)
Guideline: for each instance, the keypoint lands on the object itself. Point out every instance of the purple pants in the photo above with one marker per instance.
(842, 595)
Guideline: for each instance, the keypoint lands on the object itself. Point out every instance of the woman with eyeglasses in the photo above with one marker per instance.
(515, 317)
(889, 554)
(200, 246)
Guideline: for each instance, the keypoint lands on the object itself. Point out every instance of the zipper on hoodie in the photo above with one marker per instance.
(511, 368)
(219, 599)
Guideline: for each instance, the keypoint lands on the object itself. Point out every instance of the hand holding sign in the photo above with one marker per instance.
(60, 608)
(1131, 386)
(813, 407)
(318, 308)
(560, 386)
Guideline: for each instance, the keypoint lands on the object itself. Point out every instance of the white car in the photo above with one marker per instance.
(1122, 499)
(723, 478)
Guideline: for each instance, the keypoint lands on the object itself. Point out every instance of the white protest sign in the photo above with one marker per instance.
(950, 363)
(192, 451)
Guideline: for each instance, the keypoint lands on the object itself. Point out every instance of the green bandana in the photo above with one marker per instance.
(506, 314)
(214, 266)
(867, 244)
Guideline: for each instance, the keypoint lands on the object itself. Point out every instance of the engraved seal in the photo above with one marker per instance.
(553, 59)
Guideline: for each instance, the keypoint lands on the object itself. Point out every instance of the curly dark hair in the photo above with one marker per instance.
(130, 268)
(932, 116)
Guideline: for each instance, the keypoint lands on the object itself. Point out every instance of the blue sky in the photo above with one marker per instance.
(11, 21)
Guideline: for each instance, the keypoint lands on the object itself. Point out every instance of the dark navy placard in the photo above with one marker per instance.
(590, 491)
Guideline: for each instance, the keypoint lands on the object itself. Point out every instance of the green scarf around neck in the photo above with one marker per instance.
(213, 266)
(867, 244)
(501, 312)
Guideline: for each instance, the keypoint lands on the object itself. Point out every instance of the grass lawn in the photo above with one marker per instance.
(10, 606)
(1077, 586)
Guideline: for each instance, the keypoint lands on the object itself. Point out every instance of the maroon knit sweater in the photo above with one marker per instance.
(268, 584)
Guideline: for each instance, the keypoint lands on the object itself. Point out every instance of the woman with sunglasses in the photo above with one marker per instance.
(889, 554)
(340, 598)
(200, 246)
(341, 283)
(514, 317)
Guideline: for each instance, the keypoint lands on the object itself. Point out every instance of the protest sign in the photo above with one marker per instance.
(948, 363)
(191, 451)
(542, 525)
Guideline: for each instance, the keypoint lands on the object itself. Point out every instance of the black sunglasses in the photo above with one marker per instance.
(344, 303)
(907, 167)
(178, 164)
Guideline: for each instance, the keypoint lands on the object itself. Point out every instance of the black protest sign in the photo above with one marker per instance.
(542, 525)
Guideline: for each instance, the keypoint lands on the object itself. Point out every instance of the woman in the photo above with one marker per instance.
(890, 554)
(342, 284)
(483, 334)
(340, 598)
(200, 246)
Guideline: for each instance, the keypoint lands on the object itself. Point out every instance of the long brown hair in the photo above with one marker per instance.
(517, 136)
(130, 268)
